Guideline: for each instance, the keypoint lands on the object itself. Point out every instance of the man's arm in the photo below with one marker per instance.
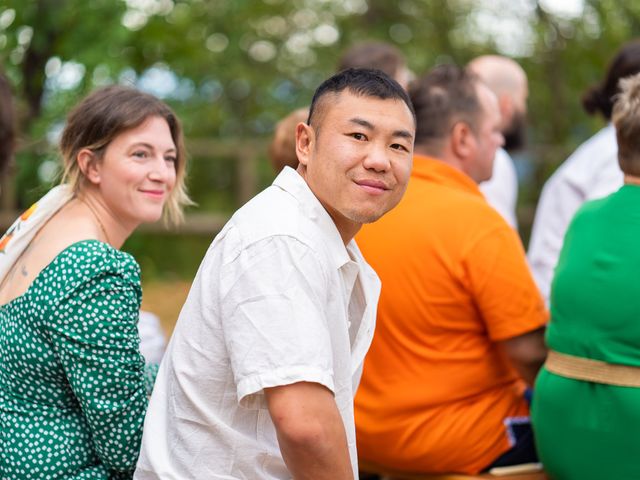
(310, 431)
(527, 353)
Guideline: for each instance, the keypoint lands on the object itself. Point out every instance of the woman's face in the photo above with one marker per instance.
(138, 171)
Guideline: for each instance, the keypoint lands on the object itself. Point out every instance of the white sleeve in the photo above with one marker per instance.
(501, 191)
(274, 323)
(152, 340)
(559, 201)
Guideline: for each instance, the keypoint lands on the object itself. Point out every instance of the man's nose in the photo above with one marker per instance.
(378, 159)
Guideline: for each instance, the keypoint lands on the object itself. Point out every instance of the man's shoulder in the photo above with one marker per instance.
(272, 214)
(469, 207)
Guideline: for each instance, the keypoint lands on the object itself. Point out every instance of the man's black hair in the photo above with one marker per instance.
(365, 82)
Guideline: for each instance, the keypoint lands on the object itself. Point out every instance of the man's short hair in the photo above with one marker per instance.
(364, 82)
(376, 55)
(626, 119)
(445, 95)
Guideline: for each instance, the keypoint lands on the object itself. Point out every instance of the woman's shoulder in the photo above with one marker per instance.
(86, 259)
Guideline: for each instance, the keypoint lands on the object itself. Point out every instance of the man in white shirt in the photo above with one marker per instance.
(591, 172)
(508, 81)
(259, 376)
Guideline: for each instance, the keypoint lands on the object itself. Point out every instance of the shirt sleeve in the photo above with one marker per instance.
(558, 203)
(93, 332)
(274, 323)
(503, 289)
(501, 190)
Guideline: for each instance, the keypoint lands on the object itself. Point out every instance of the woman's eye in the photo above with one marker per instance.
(171, 159)
(140, 154)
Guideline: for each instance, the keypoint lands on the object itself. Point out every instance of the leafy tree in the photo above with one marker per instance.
(231, 69)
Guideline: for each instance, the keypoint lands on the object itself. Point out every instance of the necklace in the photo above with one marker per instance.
(100, 224)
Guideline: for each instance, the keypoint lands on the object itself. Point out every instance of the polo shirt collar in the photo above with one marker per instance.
(292, 182)
(437, 171)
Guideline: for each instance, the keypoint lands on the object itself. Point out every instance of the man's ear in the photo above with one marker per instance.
(89, 166)
(506, 104)
(305, 141)
(462, 141)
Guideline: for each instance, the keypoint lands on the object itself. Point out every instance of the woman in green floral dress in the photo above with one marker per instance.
(73, 385)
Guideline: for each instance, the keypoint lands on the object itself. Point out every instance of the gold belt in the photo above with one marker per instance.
(590, 370)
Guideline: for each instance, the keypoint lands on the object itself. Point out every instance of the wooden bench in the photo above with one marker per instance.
(388, 474)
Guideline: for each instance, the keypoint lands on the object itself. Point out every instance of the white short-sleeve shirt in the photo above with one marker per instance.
(591, 172)
(501, 190)
(278, 299)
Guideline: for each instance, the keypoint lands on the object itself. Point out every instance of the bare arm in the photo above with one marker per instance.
(527, 353)
(310, 431)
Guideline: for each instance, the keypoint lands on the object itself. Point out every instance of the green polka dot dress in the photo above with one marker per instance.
(73, 385)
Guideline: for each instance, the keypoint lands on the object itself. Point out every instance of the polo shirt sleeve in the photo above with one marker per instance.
(504, 291)
(274, 324)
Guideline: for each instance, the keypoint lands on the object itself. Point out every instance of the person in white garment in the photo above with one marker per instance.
(591, 172)
(152, 339)
(259, 376)
(508, 81)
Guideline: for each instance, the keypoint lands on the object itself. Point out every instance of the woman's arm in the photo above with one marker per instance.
(94, 334)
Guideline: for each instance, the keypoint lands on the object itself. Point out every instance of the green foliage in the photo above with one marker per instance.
(231, 69)
(167, 256)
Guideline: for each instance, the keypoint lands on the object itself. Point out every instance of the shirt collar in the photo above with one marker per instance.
(292, 182)
(442, 173)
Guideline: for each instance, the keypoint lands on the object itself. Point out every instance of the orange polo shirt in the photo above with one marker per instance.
(436, 393)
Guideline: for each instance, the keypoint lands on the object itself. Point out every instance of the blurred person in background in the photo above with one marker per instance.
(73, 389)
(152, 338)
(591, 172)
(459, 332)
(508, 81)
(7, 125)
(377, 55)
(282, 150)
(585, 406)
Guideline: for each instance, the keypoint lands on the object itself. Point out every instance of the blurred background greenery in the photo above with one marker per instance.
(232, 68)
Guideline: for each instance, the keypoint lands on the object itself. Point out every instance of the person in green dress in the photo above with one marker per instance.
(586, 405)
(73, 390)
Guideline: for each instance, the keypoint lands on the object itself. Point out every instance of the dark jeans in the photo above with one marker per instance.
(524, 450)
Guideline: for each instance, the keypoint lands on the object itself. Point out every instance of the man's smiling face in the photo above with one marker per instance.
(356, 156)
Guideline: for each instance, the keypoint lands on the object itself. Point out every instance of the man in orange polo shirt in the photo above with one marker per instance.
(460, 322)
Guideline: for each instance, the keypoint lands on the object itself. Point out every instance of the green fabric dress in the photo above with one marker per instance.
(73, 387)
(585, 430)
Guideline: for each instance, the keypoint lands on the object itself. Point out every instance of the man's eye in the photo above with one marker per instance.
(359, 136)
(398, 146)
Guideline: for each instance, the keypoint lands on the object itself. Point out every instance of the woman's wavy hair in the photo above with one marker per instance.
(101, 117)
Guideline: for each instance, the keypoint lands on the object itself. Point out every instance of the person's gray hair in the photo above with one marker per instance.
(626, 119)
